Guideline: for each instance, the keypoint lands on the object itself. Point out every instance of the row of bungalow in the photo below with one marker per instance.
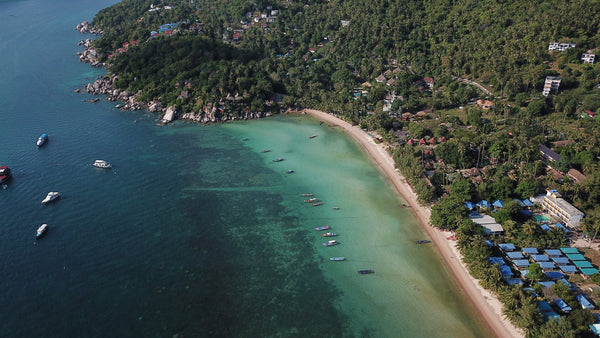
(554, 262)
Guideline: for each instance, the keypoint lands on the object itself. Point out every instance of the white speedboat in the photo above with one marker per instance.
(53, 195)
(41, 230)
(102, 164)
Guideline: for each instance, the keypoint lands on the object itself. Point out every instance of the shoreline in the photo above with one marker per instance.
(485, 303)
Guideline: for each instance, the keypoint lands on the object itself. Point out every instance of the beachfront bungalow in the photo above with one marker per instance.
(585, 303)
(483, 204)
(544, 306)
(527, 202)
(560, 260)
(514, 255)
(529, 251)
(469, 205)
(506, 247)
(545, 227)
(498, 204)
(521, 264)
(505, 270)
(524, 273)
(547, 284)
(488, 223)
(553, 252)
(540, 258)
(562, 305)
(568, 269)
(554, 275)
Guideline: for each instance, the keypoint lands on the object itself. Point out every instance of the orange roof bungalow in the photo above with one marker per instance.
(485, 104)
(410, 142)
(432, 140)
(422, 141)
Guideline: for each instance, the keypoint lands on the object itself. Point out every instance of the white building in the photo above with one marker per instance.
(551, 85)
(554, 205)
(488, 223)
(588, 57)
(560, 46)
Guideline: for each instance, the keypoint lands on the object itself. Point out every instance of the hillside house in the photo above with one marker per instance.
(588, 57)
(551, 85)
(560, 46)
(485, 104)
(548, 154)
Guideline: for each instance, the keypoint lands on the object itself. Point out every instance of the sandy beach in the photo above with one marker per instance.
(486, 303)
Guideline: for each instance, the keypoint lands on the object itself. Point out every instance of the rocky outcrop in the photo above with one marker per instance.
(85, 28)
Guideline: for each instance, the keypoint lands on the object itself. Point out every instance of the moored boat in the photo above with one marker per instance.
(422, 241)
(322, 228)
(4, 173)
(41, 230)
(53, 195)
(316, 204)
(289, 171)
(313, 136)
(42, 139)
(278, 159)
(329, 234)
(365, 272)
(102, 164)
(306, 195)
(337, 258)
(331, 243)
(311, 200)
(265, 151)
(336, 208)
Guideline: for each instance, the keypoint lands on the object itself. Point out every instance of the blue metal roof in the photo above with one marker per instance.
(567, 268)
(560, 260)
(554, 275)
(514, 255)
(564, 307)
(546, 265)
(496, 260)
(585, 303)
(576, 257)
(583, 264)
(569, 250)
(507, 247)
(498, 204)
(553, 252)
(530, 251)
(505, 270)
(544, 227)
(521, 263)
(469, 205)
(544, 306)
(540, 258)
(527, 202)
(588, 271)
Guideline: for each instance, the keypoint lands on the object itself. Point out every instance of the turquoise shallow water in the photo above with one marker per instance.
(195, 231)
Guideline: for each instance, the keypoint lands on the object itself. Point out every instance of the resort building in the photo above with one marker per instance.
(488, 223)
(588, 57)
(551, 85)
(560, 46)
(556, 206)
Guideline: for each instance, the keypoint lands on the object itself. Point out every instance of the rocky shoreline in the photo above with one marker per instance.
(129, 101)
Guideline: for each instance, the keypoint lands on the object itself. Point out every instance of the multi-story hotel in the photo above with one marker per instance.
(556, 206)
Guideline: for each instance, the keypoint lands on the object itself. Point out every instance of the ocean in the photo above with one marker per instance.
(196, 231)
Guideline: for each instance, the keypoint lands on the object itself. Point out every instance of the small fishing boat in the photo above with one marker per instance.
(278, 159)
(422, 241)
(337, 258)
(41, 230)
(336, 208)
(42, 139)
(311, 200)
(322, 228)
(306, 195)
(313, 136)
(316, 204)
(4, 173)
(331, 243)
(365, 272)
(53, 195)
(102, 164)
(329, 234)
(265, 151)
(289, 171)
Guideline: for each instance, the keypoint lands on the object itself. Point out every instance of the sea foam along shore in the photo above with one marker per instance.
(487, 304)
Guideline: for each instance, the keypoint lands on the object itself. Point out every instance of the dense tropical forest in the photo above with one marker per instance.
(455, 88)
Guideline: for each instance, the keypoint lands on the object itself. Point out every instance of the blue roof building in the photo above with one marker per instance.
(540, 258)
(560, 260)
(489, 243)
(483, 204)
(521, 263)
(514, 281)
(553, 252)
(544, 306)
(550, 315)
(498, 204)
(546, 265)
(505, 270)
(496, 260)
(554, 275)
(585, 303)
(527, 202)
(529, 251)
(507, 247)
(514, 255)
(526, 212)
(521, 204)
(565, 282)
(570, 269)
(564, 307)
(546, 284)
(545, 227)
(469, 205)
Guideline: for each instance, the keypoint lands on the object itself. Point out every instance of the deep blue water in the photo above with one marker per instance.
(194, 232)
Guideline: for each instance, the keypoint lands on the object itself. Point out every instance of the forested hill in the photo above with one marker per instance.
(317, 52)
